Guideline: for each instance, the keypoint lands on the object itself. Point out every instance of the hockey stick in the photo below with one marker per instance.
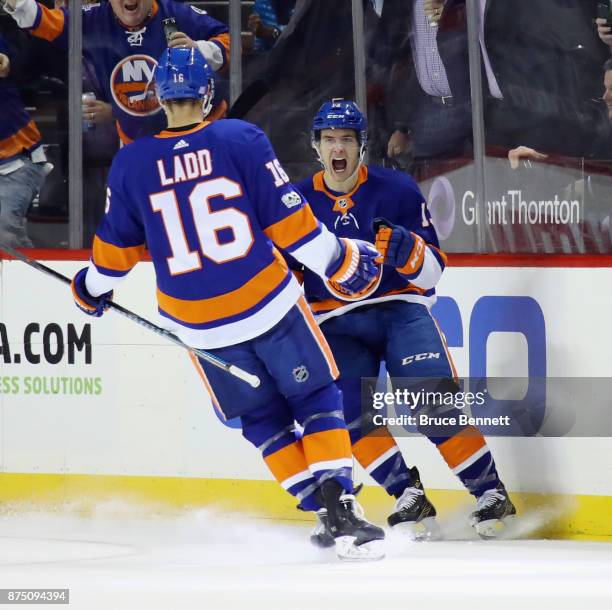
(232, 369)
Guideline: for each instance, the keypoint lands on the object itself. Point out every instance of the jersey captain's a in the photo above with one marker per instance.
(379, 192)
(210, 204)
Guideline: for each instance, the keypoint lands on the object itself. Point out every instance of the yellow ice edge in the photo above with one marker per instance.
(570, 517)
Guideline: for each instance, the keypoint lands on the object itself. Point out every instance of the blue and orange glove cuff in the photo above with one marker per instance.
(92, 306)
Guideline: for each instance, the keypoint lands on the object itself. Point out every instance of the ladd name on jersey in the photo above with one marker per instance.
(188, 166)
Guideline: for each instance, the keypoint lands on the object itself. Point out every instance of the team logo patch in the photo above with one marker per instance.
(130, 84)
(343, 205)
(300, 374)
(291, 199)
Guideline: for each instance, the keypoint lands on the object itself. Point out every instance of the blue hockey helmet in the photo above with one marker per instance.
(340, 114)
(182, 73)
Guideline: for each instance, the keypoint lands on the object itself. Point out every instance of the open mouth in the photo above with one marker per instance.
(339, 165)
(131, 8)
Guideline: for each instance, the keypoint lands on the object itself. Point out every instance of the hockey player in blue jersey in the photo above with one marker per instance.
(210, 201)
(121, 42)
(390, 321)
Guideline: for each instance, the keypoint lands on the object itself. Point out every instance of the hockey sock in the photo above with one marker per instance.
(325, 439)
(381, 458)
(469, 457)
(289, 467)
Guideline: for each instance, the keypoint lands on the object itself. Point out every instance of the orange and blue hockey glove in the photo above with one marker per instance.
(92, 306)
(399, 248)
(354, 272)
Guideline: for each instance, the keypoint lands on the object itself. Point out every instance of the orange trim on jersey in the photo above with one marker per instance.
(202, 373)
(175, 134)
(294, 227)
(224, 39)
(116, 258)
(318, 182)
(287, 462)
(51, 24)
(330, 304)
(461, 446)
(319, 337)
(229, 304)
(369, 448)
(24, 139)
(327, 445)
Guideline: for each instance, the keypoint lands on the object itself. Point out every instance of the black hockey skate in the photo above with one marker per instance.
(355, 538)
(321, 536)
(414, 514)
(494, 512)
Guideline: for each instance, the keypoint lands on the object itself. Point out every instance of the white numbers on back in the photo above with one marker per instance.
(278, 173)
(207, 223)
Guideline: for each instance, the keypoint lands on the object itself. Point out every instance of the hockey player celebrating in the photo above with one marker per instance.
(390, 321)
(209, 200)
(121, 41)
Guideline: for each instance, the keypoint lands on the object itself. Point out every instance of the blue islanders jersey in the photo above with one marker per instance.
(123, 59)
(18, 132)
(379, 192)
(210, 204)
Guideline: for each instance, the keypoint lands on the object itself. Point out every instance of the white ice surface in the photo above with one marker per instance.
(115, 560)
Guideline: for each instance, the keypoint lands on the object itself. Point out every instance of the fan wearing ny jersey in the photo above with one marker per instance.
(121, 42)
(391, 320)
(211, 203)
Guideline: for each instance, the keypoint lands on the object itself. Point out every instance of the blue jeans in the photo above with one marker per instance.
(17, 190)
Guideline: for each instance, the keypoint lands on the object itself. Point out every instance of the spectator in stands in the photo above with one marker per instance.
(267, 21)
(601, 146)
(311, 62)
(23, 164)
(423, 45)
(120, 41)
(429, 73)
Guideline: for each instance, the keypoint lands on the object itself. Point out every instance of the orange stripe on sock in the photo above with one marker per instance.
(369, 448)
(327, 445)
(287, 462)
(461, 446)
